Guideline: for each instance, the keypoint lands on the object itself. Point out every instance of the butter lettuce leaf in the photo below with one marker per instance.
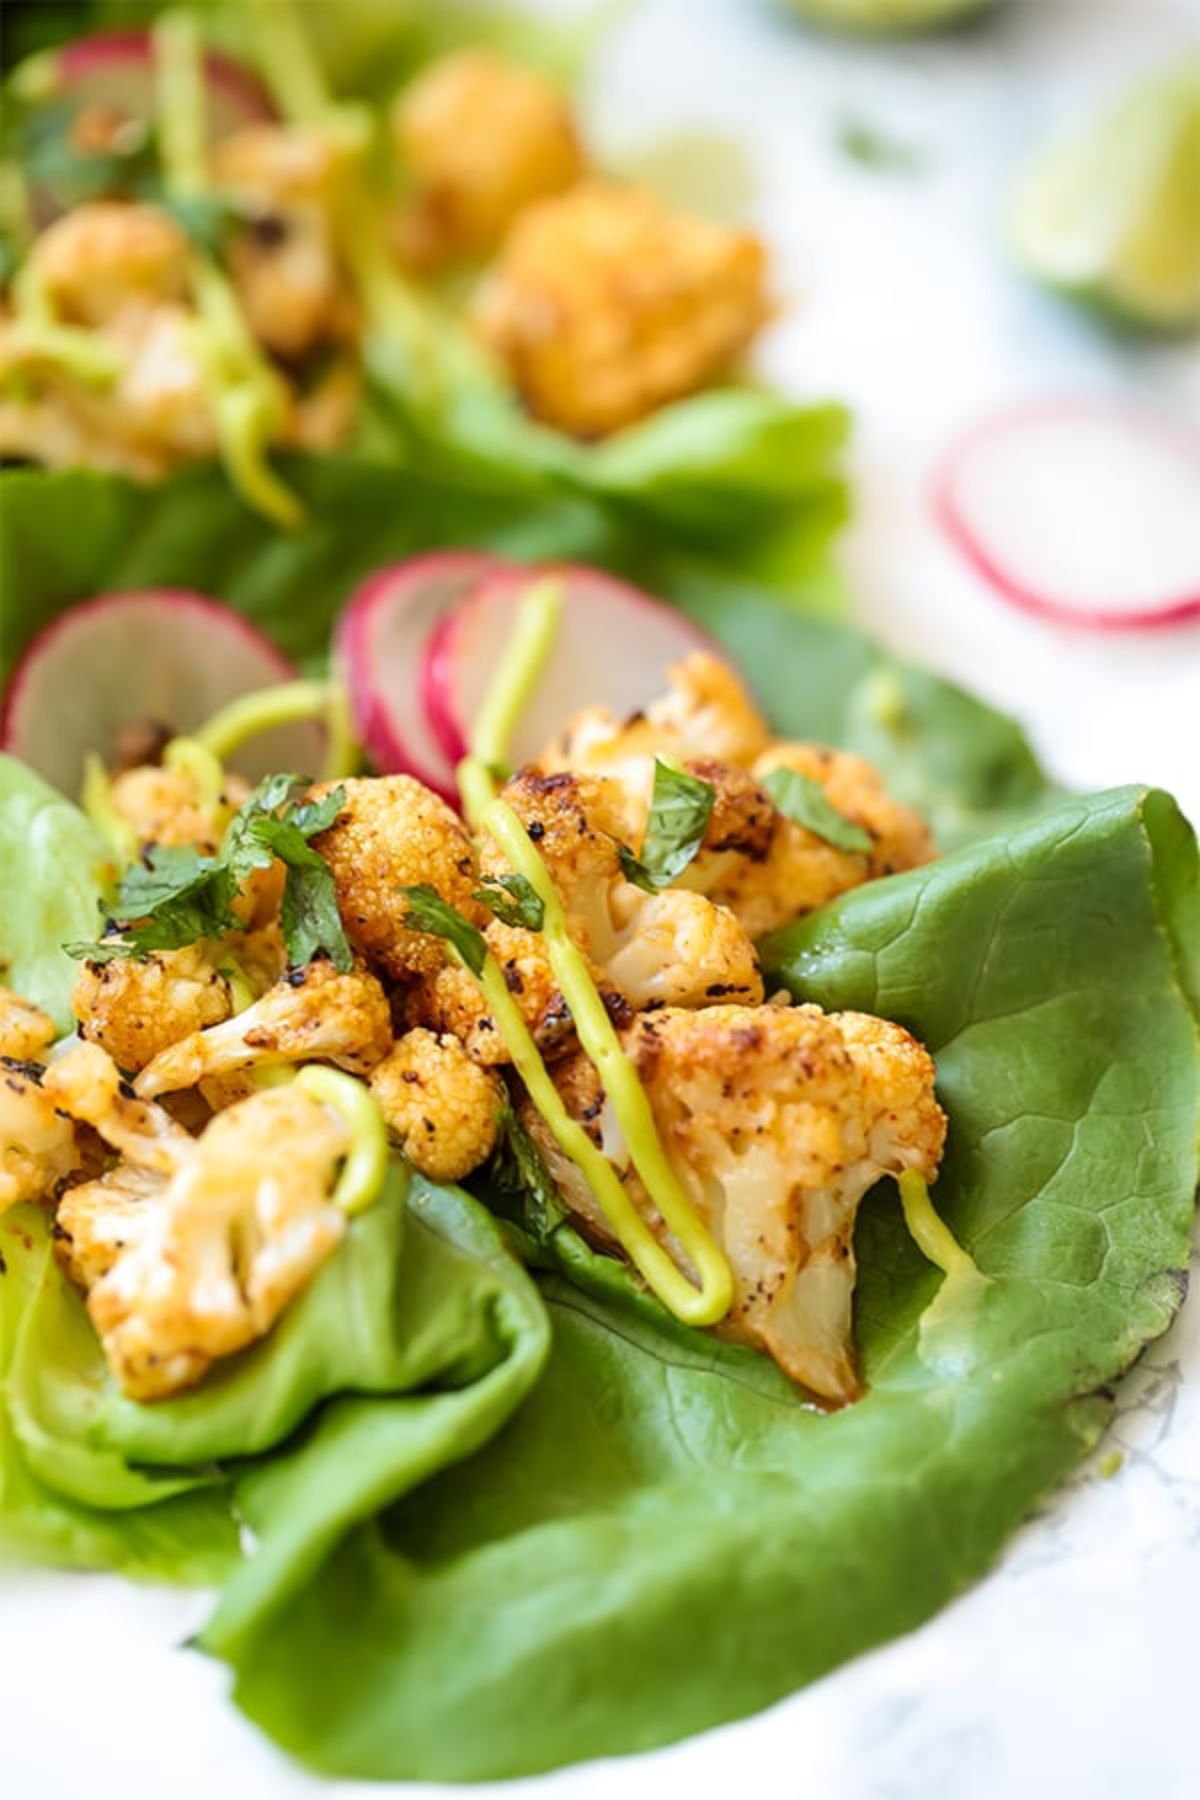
(53, 870)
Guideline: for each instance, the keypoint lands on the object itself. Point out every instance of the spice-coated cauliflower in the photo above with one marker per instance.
(314, 1013)
(777, 1121)
(441, 1109)
(286, 183)
(26, 1032)
(106, 256)
(38, 1148)
(136, 1008)
(478, 139)
(393, 833)
(208, 1263)
(604, 305)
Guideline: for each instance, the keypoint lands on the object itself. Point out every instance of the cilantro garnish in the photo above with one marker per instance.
(679, 813)
(799, 798)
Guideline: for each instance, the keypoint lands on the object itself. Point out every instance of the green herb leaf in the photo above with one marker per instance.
(679, 814)
(799, 798)
(427, 911)
(177, 896)
(520, 1186)
(513, 901)
(207, 219)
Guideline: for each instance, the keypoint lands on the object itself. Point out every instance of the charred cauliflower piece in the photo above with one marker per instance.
(313, 1013)
(706, 715)
(604, 305)
(777, 1120)
(38, 1147)
(286, 182)
(108, 255)
(169, 807)
(212, 1260)
(137, 1008)
(86, 1085)
(97, 1221)
(800, 870)
(391, 834)
(26, 1032)
(442, 1109)
(479, 139)
(672, 948)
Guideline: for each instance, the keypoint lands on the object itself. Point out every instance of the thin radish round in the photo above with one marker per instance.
(613, 649)
(1085, 511)
(116, 69)
(380, 644)
(160, 657)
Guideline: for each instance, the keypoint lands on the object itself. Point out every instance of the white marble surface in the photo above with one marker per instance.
(1071, 1673)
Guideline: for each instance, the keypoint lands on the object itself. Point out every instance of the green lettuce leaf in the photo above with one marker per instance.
(52, 873)
(659, 1491)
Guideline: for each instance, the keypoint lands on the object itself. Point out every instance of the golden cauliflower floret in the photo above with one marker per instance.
(442, 1109)
(604, 304)
(801, 871)
(87, 1086)
(314, 1014)
(900, 838)
(479, 139)
(136, 1008)
(26, 1032)
(170, 807)
(777, 1121)
(705, 715)
(38, 1147)
(673, 948)
(286, 181)
(236, 1234)
(678, 949)
(102, 256)
(97, 1221)
(392, 833)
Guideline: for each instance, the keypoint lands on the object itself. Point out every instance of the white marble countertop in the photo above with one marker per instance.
(1071, 1672)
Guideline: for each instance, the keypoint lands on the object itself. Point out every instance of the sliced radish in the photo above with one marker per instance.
(613, 649)
(159, 657)
(381, 642)
(116, 69)
(1085, 511)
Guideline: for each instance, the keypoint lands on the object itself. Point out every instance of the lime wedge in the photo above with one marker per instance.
(885, 16)
(1111, 215)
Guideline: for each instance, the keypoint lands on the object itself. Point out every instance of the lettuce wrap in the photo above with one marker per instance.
(469, 1520)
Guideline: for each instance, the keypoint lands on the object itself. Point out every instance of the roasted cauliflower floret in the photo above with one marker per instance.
(240, 1229)
(673, 948)
(777, 1120)
(604, 304)
(38, 1147)
(442, 1109)
(86, 1085)
(169, 806)
(800, 870)
(705, 715)
(26, 1032)
(678, 949)
(136, 1008)
(392, 833)
(479, 139)
(106, 255)
(97, 1221)
(286, 182)
(314, 1013)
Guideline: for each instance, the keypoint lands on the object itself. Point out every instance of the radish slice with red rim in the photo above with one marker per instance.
(381, 643)
(1083, 511)
(613, 649)
(160, 657)
(116, 69)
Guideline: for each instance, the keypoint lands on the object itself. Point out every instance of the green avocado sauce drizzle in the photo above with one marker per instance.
(248, 397)
(520, 666)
